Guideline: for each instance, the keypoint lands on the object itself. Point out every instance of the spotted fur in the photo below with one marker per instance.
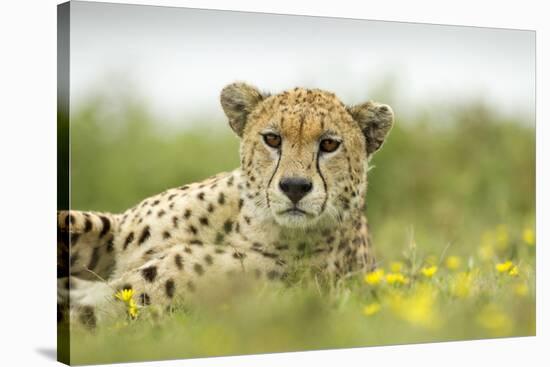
(187, 239)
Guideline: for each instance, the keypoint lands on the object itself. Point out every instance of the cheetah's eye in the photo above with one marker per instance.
(329, 145)
(273, 140)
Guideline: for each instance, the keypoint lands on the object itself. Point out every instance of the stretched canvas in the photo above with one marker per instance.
(240, 183)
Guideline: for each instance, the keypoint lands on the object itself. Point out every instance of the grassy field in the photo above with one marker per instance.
(451, 207)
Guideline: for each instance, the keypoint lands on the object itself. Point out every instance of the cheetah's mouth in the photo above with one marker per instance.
(295, 211)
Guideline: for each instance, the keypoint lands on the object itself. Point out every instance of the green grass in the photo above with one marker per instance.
(465, 188)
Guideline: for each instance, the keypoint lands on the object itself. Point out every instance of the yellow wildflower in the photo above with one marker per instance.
(419, 308)
(374, 277)
(396, 278)
(461, 285)
(396, 266)
(529, 236)
(453, 262)
(514, 271)
(504, 267)
(521, 289)
(502, 237)
(371, 309)
(486, 250)
(429, 271)
(132, 309)
(125, 295)
(495, 320)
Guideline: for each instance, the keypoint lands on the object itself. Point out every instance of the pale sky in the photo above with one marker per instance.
(177, 60)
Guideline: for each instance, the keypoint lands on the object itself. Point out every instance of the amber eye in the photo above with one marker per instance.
(273, 140)
(329, 145)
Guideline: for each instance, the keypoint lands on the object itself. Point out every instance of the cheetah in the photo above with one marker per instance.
(299, 193)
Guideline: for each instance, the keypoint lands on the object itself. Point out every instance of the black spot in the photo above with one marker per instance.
(171, 196)
(155, 203)
(200, 196)
(171, 206)
(170, 288)
(241, 203)
(210, 208)
(281, 247)
(239, 255)
(87, 225)
(175, 221)
(198, 269)
(149, 212)
(166, 235)
(230, 181)
(145, 234)
(110, 246)
(193, 229)
(221, 198)
(272, 274)
(179, 261)
(188, 250)
(161, 213)
(228, 226)
(149, 273)
(208, 259)
(257, 245)
(144, 299)
(247, 219)
(196, 242)
(184, 187)
(106, 226)
(219, 250)
(190, 286)
(219, 238)
(74, 238)
(87, 317)
(187, 213)
(203, 221)
(128, 240)
(270, 255)
(74, 258)
(94, 259)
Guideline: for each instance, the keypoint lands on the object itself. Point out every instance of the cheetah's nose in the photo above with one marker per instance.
(295, 187)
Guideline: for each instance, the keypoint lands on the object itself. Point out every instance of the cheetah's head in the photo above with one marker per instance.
(304, 154)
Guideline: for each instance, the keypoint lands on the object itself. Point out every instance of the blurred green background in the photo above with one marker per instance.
(445, 181)
(462, 186)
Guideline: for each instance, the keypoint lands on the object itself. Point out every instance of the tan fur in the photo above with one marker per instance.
(184, 241)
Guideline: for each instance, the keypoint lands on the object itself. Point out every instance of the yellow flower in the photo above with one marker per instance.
(429, 271)
(495, 320)
(514, 271)
(418, 308)
(453, 262)
(374, 277)
(502, 237)
(132, 309)
(396, 278)
(486, 250)
(529, 236)
(396, 266)
(521, 289)
(504, 267)
(461, 285)
(371, 309)
(125, 295)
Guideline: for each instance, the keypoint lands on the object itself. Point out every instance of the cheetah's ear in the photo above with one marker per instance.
(375, 120)
(238, 100)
